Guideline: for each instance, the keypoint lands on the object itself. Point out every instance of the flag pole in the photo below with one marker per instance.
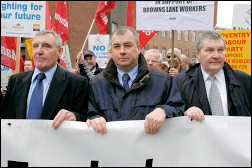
(87, 35)
(172, 49)
(17, 55)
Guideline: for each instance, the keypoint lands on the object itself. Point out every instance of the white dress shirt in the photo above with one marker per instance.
(221, 84)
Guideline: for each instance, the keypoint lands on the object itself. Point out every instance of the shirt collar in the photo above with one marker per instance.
(132, 73)
(219, 76)
(49, 73)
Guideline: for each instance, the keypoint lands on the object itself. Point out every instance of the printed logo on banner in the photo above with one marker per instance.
(36, 27)
(18, 27)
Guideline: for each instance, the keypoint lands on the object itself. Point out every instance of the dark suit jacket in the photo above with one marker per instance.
(67, 91)
(192, 88)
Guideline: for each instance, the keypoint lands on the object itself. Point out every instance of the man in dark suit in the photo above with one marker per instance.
(65, 94)
(195, 85)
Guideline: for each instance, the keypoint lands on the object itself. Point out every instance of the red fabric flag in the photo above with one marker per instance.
(48, 20)
(101, 16)
(61, 22)
(144, 36)
(8, 53)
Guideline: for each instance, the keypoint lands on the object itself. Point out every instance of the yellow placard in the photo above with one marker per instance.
(238, 49)
(29, 47)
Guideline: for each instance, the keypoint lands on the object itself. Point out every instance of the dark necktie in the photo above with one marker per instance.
(215, 98)
(125, 79)
(35, 106)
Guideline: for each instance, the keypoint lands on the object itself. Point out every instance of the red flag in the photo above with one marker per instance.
(101, 16)
(61, 22)
(8, 53)
(144, 36)
(48, 20)
(62, 62)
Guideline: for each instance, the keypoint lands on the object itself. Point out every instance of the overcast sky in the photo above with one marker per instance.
(225, 12)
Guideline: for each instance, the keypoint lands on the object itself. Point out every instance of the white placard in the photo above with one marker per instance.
(5, 74)
(242, 16)
(99, 45)
(218, 141)
(66, 57)
(22, 18)
(174, 15)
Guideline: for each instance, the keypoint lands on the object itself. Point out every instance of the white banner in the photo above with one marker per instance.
(174, 15)
(217, 141)
(22, 18)
(5, 75)
(66, 57)
(99, 45)
(242, 16)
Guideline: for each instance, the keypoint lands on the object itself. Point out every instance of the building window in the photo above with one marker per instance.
(170, 34)
(179, 34)
(163, 33)
(187, 52)
(114, 26)
(193, 37)
(163, 52)
(186, 35)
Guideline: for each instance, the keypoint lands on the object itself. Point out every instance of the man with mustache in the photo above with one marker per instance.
(129, 90)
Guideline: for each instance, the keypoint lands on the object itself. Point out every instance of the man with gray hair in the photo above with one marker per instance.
(153, 58)
(47, 92)
(184, 62)
(128, 89)
(212, 87)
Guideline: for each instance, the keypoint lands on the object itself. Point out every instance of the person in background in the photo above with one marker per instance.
(47, 92)
(87, 64)
(163, 67)
(130, 90)
(153, 58)
(176, 62)
(184, 62)
(28, 65)
(212, 87)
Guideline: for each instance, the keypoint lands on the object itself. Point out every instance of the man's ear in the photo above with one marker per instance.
(139, 49)
(197, 55)
(60, 51)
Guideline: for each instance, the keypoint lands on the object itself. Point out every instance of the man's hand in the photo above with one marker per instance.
(61, 116)
(80, 58)
(98, 124)
(154, 120)
(173, 72)
(195, 113)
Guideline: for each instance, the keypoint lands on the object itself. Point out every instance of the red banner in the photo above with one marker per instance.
(60, 21)
(144, 36)
(101, 16)
(48, 23)
(8, 53)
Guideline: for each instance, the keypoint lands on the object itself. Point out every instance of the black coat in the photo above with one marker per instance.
(192, 88)
(67, 91)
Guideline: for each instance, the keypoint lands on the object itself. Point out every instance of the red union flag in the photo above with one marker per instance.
(101, 15)
(61, 22)
(48, 23)
(8, 53)
(144, 36)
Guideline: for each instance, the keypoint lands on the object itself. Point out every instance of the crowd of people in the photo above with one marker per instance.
(132, 86)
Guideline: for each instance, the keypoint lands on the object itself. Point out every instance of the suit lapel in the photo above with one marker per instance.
(23, 86)
(200, 88)
(55, 92)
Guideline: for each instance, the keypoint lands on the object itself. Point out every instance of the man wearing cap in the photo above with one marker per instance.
(87, 64)
(176, 62)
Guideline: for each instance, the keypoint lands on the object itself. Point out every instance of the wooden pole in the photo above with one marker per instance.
(17, 55)
(87, 35)
(172, 57)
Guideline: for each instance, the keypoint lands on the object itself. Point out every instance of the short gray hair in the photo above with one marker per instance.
(123, 29)
(208, 35)
(57, 37)
(156, 51)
